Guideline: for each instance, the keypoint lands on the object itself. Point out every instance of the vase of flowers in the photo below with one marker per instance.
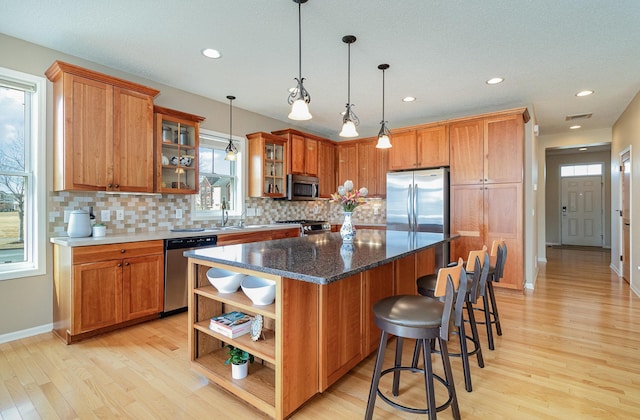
(349, 199)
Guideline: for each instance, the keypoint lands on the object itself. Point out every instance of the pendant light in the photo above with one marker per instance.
(232, 152)
(384, 134)
(350, 120)
(299, 98)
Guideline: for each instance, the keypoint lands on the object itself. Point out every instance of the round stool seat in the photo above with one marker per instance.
(409, 316)
(427, 284)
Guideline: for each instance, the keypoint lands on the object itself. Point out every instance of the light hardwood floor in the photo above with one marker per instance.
(570, 350)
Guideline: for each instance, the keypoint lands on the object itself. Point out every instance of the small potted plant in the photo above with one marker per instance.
(99, 229)
(238, 359)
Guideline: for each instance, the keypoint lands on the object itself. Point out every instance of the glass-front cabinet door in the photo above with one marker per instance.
(177, 137)
(267, 165)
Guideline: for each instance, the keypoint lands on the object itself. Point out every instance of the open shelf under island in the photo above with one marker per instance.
(320, 325)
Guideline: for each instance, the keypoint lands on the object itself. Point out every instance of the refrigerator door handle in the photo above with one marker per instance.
(409, 196)
(415, 206)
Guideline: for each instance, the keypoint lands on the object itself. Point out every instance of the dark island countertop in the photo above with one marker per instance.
(323, 258)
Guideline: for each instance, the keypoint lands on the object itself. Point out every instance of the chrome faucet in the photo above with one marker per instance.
(225, 213)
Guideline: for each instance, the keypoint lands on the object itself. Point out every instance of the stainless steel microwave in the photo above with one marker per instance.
(302, 187)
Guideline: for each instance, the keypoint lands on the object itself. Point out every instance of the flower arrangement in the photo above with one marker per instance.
(349, 198)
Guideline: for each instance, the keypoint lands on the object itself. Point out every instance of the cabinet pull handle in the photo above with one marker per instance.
(122, 251)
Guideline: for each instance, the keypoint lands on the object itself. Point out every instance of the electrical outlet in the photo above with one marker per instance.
(376, 210)
(105, 215)
(316, 209)
(66, 215)
(120, 214)
(178, 213)
(258, 211)
(251, 211)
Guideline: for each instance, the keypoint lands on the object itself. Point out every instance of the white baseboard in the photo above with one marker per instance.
(635, 290)
(29, 332)
(615, 269)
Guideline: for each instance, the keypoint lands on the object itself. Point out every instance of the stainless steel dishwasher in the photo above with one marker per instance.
(175, 270)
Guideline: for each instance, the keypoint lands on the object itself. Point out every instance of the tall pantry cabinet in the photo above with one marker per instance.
(487, 170)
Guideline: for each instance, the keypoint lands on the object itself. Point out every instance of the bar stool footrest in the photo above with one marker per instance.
(414, 410)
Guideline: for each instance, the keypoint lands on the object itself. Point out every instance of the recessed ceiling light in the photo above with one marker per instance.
(574, 127)
(584, 93)
(582, 149)
(495, 80)
(408, 99)
(211, 53)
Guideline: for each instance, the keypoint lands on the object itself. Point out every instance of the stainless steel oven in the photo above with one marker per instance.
(176, 285)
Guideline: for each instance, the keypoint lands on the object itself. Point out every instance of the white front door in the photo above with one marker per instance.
(582, 210)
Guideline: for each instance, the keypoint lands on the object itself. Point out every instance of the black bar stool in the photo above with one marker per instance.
(424, 319)
(477, 269)
(489, 306)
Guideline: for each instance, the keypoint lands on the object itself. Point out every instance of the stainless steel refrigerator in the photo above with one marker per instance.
(418, 201)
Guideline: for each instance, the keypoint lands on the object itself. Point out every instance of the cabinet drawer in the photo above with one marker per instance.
(85, 254)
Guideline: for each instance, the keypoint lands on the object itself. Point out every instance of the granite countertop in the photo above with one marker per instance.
(323, 258)
(150, 236)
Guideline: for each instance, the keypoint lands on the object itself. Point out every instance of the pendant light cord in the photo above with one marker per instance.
(349, 74)
(383, 96)
(299, 41)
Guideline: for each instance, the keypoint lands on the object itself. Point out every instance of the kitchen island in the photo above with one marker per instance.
(320, 325)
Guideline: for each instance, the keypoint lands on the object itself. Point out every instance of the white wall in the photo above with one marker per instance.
(626, 135)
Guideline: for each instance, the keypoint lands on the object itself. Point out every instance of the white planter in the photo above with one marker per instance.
(239, 371)
(99, 231)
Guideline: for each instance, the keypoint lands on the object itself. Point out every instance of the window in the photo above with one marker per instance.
(581, 170)
(22, 150)
(221, 180)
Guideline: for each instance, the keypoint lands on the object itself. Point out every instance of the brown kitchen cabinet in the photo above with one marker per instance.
(104, 287)
(176, 163)
(488, 150)
(327, 168)
(424, 147)
(268, 160)
(483, 213)
(303, 151)
(256, 236)
(373, 164)
(347, 163)
(378, 284)
(103, 131)
(487, 161)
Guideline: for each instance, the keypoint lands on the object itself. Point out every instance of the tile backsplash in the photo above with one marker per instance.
(156, 213)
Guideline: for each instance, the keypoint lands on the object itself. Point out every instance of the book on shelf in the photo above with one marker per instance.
(232, 324)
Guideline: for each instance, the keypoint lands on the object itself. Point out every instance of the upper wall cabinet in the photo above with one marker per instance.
(176, 159)
(303, 150)
(488, 150)
(426, 147)
(267, 165)
(327, 168)
(103, 131)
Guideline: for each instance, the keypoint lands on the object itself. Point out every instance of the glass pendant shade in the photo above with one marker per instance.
(299, 111)
(348, 129)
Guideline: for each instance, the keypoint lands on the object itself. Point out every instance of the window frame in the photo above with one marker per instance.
(574, 165)
(241, 174)
(35, 167)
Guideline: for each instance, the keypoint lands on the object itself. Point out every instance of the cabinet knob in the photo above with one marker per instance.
(119, 264)
(109, 185)
(117, 186)
(122, 251)
(126, 264)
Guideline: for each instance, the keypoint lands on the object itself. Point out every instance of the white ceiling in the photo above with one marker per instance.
(441, 52)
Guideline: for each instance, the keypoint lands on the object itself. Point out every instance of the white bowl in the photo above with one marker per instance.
(224, 280)
(260, 291)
